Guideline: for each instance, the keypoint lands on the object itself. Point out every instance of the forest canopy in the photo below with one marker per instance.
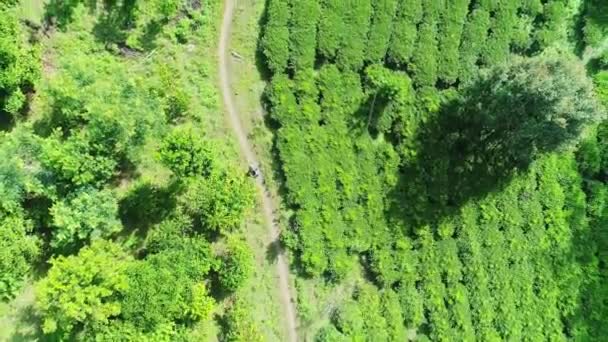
(121, 216)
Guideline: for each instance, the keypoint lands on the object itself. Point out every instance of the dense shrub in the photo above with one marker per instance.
(220, 201)
(18, 251)
(83, 289)
(237, 265)
(86, 215)
(19, 63)
(186, 154)
(443, 163)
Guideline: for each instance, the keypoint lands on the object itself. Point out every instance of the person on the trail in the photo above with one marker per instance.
(254, 171)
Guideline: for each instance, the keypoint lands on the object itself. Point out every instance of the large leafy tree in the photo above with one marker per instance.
(533, 105)
(169, 287)
(220, 201)
(186, 154)
(83, 289)
(86, 214)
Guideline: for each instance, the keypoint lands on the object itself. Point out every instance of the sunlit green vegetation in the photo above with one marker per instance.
(455, 152)
(119, 206)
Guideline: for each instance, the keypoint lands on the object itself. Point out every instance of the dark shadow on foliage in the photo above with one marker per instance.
(115, 19)
(147, 205)
(7, 121)
(28, 328)
(479, 140)
(216, 290)
(461, 156)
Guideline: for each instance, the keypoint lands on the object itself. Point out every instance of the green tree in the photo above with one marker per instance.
(237, 264)
(18, 250)
(19, 63)
(219, 201)
(531, 106)
(186, 154)
(73, 164)
(83, 289)
(168, 287)
(85, 215)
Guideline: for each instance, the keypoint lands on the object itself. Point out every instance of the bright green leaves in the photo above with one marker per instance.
(237, 265)
(186, 154)
(19, 63)
(220, 201)
(276, 35)
(18, 250)
(99, 117)
(380, 29)
(85, 215)
(162, 291)
(303, 34)
(216, 195)
(405, 32)
(83, 289)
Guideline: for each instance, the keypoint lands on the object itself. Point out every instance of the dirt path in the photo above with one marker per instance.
(268, 205)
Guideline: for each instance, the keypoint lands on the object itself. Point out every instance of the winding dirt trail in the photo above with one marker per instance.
(268, 205)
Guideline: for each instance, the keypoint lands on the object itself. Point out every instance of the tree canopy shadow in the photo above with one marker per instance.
(146, 205)
(462, 154)
(115, 19)
(494, 128)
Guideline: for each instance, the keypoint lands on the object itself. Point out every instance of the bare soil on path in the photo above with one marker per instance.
(268, 205)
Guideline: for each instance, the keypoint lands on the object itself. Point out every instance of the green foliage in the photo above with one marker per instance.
(403, 39)
(276, 35)
(18, 250)
(86, 215)
(426, 54)
(331, 28)
(83, 290)
(167, 290)
(219, 201)
(380, 29)
(133, 22)
(84, 160)
(99, 117)
(19, 63)
(357, 23)
(534, 105)
(125, 331)
(302, 33)
(238, 324)
(424, 148)
(186, 155)
(73, 163)
(451, 26)
(162, 289)
(237, 265)
(473, 40)
(601, 87)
